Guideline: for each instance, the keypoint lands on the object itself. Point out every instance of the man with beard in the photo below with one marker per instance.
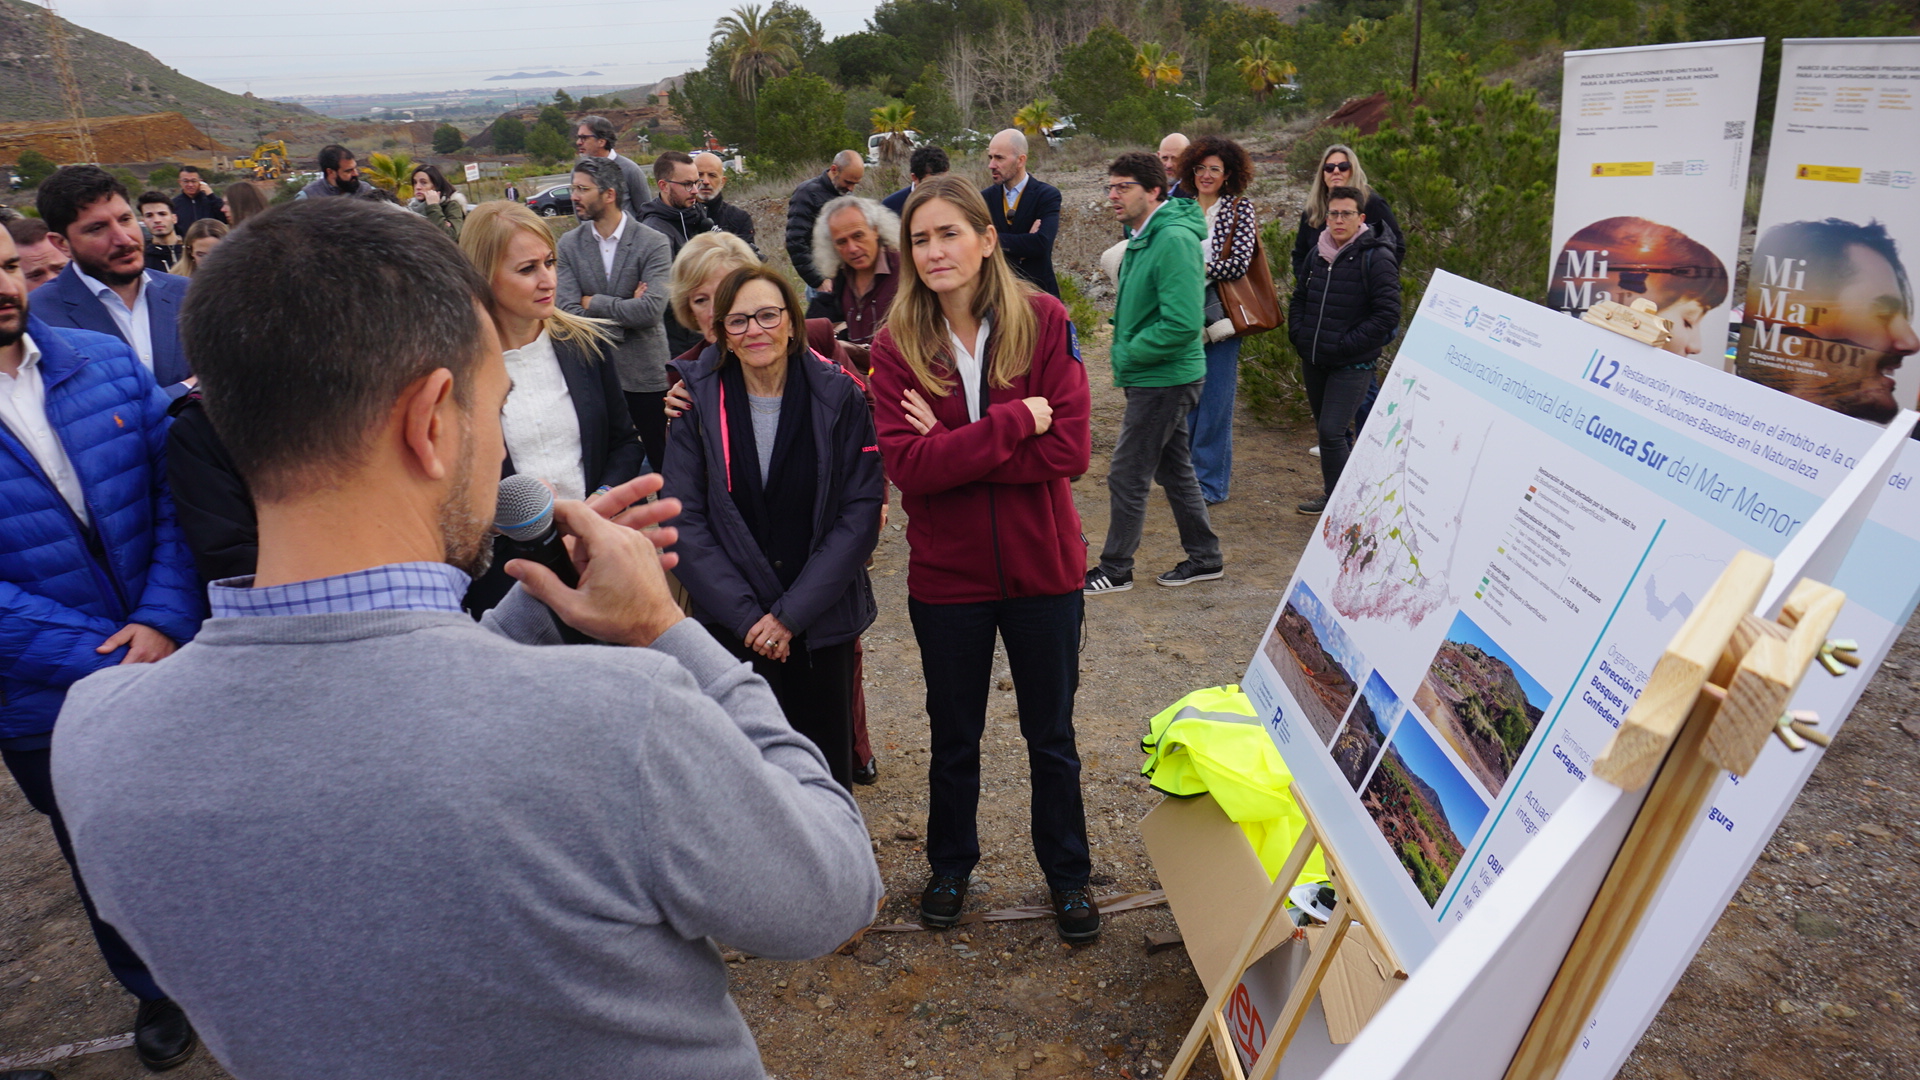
(1025, 210)
(107, 288)
(614, 268)
(594, 137)
(1829, 316)
(165, 250)
(40, 260)
(93, 574)
(339, 175)
(712, 173)
(676, 214)
(396, 842)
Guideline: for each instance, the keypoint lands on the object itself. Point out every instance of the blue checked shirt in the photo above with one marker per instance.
(411, 586)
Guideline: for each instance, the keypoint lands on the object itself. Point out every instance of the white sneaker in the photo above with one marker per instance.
(1314, 450)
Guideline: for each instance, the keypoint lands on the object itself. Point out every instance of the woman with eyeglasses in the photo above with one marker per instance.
(1218, 171)
(982, 405)
(778, 474)
(1340, 167)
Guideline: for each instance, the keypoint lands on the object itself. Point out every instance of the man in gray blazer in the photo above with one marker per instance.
(614, 268)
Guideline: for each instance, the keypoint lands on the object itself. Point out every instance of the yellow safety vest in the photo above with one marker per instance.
(1212, 742)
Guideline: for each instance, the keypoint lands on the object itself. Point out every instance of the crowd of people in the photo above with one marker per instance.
(292, 467)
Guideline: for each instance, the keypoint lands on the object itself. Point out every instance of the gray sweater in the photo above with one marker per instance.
(399, 844)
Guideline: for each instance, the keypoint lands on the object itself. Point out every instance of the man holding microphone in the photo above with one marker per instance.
(359, 835)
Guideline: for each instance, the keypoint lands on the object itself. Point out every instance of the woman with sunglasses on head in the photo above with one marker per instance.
(1340, 167)
(779, 480)
(982, 405)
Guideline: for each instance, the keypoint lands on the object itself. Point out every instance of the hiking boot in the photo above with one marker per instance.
(1098, 581)
(1189, 572)
(940, 904)
(1076, 915)
(1313, 506)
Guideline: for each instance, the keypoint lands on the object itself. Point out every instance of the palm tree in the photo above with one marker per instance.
(1034, 121)
(391, 173)
(757, 46)
(1262, 68)
(1156, 64)
(894, 120)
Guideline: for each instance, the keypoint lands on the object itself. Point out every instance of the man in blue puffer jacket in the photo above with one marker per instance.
(93, 569)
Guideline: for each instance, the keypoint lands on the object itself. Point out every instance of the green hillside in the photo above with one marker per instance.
(116, 78)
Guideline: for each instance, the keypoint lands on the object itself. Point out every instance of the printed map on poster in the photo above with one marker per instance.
(1532, 509)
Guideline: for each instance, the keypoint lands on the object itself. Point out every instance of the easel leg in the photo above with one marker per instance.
(1274, 907)
(1319, 960)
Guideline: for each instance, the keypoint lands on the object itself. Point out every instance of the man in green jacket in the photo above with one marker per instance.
(1158, 361)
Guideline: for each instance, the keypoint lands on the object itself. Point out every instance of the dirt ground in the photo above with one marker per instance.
(1809, 974)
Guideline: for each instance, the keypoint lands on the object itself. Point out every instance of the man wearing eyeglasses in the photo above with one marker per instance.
(594, 138)
(676, 213)
(1346, 308)
(611, 267)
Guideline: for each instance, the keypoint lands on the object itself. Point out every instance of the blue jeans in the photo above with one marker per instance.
(1211, 425)
(1042, 636)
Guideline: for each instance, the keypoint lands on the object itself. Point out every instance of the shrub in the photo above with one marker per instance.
(1270, 383)
(163, 177)
(1086, 314)
(547, 144)
(802, 119)
(447, 139)
(509, 135)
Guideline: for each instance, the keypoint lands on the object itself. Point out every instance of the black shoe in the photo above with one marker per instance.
(1099, 581)
(868, 773)
(1313, 506)
(162, 1036)
(1189, 572)
(940, 905)
(1074, 912)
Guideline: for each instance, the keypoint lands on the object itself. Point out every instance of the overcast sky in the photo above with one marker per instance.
(371, 46)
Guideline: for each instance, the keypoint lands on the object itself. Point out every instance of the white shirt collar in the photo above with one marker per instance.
(617, 230)
(1014, 191)
(31, 352)
(103, 291)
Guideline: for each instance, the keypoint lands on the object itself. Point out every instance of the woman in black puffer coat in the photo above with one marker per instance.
(1345, 309)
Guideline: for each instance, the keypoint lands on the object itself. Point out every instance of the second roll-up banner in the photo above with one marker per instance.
(1654, 147)
(1829, 305)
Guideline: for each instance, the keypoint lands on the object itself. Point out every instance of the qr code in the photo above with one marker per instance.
(1736, 129)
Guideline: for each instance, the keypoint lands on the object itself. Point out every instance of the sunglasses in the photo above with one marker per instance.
(1336, 166)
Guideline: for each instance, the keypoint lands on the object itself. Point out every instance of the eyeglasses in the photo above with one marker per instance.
(1115, 189)
(680, 183)
(769, 318)
(1342, 215)
(1337, 166)
(581, 138)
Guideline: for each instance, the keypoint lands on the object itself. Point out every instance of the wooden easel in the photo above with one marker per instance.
(1212, 1022)
(1716, 695)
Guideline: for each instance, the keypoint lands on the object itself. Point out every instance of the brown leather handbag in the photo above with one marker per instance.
(1251, 300)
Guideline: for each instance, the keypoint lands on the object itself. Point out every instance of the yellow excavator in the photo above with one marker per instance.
(269, 161)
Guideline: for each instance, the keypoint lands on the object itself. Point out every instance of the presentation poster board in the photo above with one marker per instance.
(1531, 512)
(1654, 148)
(1829, 311)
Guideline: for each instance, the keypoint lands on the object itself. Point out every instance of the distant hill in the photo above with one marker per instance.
(117, 79)
(534, 75)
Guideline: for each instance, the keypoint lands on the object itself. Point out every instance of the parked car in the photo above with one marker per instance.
(552, 202)
(877, 140)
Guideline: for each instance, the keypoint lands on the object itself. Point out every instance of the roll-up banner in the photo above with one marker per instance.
(1829, 307)
(1654, 147)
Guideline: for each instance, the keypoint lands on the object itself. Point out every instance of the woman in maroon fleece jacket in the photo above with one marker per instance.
(981, 403)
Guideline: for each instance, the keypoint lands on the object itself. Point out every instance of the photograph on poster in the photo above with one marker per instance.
(1829, 316)
(1424, 806)
(1316, 659)
(1367, 729)
(1482, 701)
(1624, 259)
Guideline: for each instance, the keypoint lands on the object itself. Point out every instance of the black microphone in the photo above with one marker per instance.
(524, 516)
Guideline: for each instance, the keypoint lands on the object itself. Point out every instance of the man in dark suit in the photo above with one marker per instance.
(612, 267)
(926, 161)
(107, 287)
(1025, 209)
